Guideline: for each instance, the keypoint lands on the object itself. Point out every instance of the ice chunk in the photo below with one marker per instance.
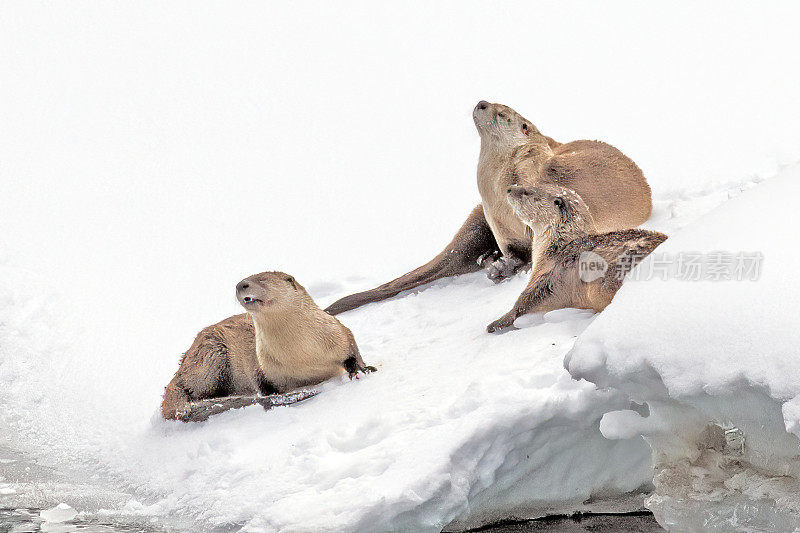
(60, 513)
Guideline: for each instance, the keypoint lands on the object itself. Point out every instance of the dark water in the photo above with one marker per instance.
(611, 523)
(27, 520)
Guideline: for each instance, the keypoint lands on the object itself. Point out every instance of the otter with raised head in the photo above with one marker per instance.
(514, 152)
(565, 234)
(283, 342)
(493, 237)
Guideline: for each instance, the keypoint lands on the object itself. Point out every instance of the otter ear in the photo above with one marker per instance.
(291, 280)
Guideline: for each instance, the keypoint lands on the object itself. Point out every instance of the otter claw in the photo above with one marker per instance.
(365, 370)
(486, 259)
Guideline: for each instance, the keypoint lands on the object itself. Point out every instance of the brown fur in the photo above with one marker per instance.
(283, 342)
(564, 229)
(514, 152)
(493, 237)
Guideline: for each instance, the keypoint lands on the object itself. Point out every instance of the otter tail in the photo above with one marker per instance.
(472, 241)
(199, 410)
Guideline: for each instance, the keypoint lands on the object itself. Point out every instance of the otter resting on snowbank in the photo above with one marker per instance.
(283, 342)
(563, 231)
(514, 152)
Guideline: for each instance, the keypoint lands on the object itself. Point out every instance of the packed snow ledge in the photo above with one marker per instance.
(457, 428)
(716, 364)
(456, 424)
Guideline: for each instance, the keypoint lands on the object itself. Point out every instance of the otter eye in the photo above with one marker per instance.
(525, 129)
(558, 202)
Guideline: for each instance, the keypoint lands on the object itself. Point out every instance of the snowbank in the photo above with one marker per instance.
(456, 424)
(717, 364)
(458, 427)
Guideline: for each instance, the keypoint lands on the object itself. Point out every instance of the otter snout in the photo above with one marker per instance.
(248, 293)
(480, 114)
(481, 109)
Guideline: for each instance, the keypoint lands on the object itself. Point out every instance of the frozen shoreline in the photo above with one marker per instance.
(615, 523)
(715, 363)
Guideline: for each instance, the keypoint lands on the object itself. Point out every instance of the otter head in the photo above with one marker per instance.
(550, 208)
(268, 291)
(502, 125)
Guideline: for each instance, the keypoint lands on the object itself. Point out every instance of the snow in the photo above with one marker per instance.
(713, 356)
(370, 453)
(60, 513)
(152, 156)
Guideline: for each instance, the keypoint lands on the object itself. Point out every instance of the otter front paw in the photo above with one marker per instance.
(354, 366)
(485, 260)
(503, 268)
(365, 370)
(504, 322)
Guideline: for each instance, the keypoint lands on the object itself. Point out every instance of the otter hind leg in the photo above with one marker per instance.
(175, 399)
(473, 240)
(205, 372)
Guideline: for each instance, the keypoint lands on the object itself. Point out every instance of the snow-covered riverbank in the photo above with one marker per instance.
(457, 425)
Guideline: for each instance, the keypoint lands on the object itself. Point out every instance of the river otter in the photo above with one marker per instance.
(514, 151)
(564, 236)
(283, 342)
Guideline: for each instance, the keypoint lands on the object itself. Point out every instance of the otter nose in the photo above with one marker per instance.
(242, 285)
(483, 104)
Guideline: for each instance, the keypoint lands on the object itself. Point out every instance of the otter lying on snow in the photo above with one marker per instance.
(283, 342)
(563, 230)
(514, 152)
